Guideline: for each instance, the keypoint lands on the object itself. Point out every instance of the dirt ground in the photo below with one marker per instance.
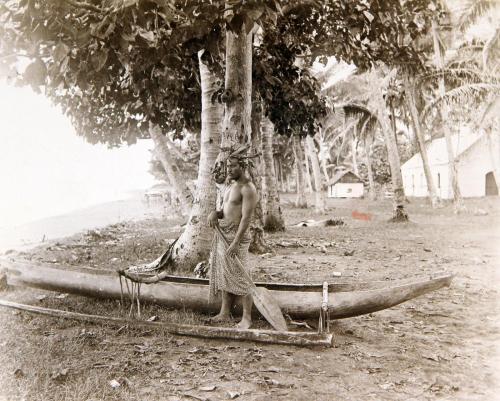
(441, 346)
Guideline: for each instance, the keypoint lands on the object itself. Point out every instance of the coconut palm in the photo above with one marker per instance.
(366, 90)
(470, 14)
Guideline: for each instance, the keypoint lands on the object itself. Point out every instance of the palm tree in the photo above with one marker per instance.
(471, 12)
(319, 192)
(366, 92)
(194, 243)
(298, 153)
(410, 98)
(468, 84)
(273, 218)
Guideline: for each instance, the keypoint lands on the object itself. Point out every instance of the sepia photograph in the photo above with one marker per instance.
(249, 200)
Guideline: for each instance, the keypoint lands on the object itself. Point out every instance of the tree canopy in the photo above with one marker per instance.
(112, 65)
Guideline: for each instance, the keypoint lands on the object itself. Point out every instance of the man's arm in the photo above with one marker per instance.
(214, 216)
(248, 204)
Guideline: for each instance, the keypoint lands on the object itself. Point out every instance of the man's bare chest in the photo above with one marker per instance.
(232, 195)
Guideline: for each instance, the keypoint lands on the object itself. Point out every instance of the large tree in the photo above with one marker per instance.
(117, 66)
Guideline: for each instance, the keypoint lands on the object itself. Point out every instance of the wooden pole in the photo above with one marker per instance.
(264, 336)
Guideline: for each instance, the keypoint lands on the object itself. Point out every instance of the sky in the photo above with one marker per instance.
(47, 170)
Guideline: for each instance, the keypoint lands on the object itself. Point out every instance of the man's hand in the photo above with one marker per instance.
(212, 219)
(232, 250)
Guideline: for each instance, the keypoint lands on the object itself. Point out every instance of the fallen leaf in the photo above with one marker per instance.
(233, 394)
(207, 388)
(374, 369)
(191, 395)
(114, 383)
(271, 369)
(60, 374)
(432, 357)
(271, 382)
(141, 349)
(197, 351)
(153, 318)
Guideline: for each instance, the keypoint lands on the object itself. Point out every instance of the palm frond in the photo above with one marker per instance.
(463, 94)
(491, 111)
(472, 11)
(489, 47)
(368, 126)
(458, 74)
(342, 135)
(355, 110)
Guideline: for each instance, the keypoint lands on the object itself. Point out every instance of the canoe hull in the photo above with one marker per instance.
(298, 301)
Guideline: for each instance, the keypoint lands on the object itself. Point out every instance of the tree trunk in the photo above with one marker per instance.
(325, 170)
(323, 164)
(453, 183)
(237, 125)
(307, 169)
(283, 178)
(301, 200)
(178, 183)
(273, 218)
(258, 244)
(417, 128)
(193, 245)
(277, 173)
(393, 120)
(371, 181)
(354, 148)
(319, 194)
(289, 183)
(394, 161)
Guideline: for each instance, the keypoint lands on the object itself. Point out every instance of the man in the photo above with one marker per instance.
(239, 201)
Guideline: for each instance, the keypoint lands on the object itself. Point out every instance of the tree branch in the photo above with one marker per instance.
(294, 5)
(85, 6)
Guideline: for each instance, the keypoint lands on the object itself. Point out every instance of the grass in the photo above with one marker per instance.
(70, 360)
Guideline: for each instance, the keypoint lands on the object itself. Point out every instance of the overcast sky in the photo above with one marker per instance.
(46, 169)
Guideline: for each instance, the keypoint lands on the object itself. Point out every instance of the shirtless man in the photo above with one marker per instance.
(240, 200)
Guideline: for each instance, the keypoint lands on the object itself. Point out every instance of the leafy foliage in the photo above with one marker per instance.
(472, 10)
(114, 64)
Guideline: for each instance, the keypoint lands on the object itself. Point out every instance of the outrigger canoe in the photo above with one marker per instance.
(297, 300)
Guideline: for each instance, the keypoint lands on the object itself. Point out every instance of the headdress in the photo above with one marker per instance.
(238, 152)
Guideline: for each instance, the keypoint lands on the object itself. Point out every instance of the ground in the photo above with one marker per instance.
(441, 346)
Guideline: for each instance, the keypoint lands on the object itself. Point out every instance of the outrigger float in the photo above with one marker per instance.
(326, 301)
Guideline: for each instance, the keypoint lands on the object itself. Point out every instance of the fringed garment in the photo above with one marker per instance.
(225, 273)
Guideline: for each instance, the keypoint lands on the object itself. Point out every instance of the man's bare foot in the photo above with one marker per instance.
(220, 318)
(244, 324)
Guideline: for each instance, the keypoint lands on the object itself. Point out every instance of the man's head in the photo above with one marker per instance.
(235, 168)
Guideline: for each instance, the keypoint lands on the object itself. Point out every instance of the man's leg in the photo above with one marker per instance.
(246, 320)
(225, 309)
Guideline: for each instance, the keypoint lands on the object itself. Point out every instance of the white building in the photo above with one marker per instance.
(477, 156)
(345, 184)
